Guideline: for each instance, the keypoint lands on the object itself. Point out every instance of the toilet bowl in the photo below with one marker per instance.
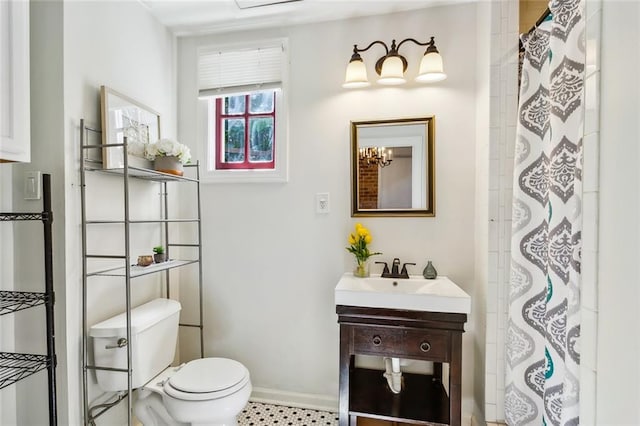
(207, 391)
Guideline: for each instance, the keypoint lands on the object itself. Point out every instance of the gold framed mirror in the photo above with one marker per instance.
(392, 167)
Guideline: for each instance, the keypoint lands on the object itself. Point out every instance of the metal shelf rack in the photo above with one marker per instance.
(14, 301)
(17, 366)
(127, 269)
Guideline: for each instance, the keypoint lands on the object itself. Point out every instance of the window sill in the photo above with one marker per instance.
(244, 176)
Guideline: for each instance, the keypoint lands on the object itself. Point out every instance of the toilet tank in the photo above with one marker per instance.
(154, 334)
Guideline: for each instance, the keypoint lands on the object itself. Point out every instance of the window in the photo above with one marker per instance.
(242, 92)
(246, 131)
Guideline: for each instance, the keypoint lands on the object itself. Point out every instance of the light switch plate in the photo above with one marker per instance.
(322, 202)
(32, 185)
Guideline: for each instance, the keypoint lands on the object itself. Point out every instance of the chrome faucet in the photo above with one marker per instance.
(395, 269)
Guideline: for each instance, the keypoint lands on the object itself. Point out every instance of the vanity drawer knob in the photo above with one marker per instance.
(425, 347)
(377, 340)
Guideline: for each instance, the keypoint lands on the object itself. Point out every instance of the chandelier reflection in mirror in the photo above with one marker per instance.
(374, 156)
(392, 66)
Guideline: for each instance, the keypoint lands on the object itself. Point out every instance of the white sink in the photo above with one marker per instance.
(414, 294)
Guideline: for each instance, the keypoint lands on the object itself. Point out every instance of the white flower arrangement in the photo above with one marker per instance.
(167, 148)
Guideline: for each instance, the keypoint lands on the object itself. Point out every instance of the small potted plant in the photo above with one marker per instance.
(159, 255)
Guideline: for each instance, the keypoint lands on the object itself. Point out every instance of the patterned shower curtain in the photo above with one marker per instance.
(543, 330)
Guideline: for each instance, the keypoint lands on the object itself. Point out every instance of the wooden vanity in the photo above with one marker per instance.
(429, 336)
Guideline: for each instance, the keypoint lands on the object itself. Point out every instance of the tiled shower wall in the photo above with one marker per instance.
(504, 89)
(504, 105)
(590, 200)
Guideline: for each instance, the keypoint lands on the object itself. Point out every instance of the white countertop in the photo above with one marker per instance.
(415, 294)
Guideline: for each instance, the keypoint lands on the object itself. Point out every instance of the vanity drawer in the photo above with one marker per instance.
(377, 340)
(423, 344)
(431, 345)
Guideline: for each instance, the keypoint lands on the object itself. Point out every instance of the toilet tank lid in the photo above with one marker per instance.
(142, 317)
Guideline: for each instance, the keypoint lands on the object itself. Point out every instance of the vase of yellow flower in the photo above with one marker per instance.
(358, 242)
(361, 269)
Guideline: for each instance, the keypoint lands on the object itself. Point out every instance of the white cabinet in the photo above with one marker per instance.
(15, 137)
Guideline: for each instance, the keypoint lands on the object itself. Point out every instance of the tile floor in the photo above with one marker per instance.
(259, 414)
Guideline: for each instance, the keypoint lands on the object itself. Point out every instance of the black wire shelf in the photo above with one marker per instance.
(15, 367)
(21, 216)
(14, 301)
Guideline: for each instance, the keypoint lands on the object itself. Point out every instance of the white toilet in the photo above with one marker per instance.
(207, 391)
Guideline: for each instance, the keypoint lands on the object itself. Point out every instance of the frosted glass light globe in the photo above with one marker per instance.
(392, 72)
(356, 75)
(431, 69)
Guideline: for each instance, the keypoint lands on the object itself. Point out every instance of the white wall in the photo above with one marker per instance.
(271, 263)
(122, 46)
(7, 395)
(76, 47)
(47, 156)
(618, 370)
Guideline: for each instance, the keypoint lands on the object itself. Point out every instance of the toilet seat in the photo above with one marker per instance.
(207, 378)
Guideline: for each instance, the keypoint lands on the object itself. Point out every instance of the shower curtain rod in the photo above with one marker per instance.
(540, 20)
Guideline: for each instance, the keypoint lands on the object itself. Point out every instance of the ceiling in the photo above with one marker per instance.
(190, 17)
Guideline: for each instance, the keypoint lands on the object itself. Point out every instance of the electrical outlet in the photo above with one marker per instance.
(322, 202)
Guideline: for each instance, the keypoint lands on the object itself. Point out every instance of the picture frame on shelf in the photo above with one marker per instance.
(124, 117)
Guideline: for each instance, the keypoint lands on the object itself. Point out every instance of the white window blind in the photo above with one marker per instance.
(224, 71)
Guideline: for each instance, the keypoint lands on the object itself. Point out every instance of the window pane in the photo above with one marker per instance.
(261, 141)
(234, 105)
(261, 102)
(233, 140)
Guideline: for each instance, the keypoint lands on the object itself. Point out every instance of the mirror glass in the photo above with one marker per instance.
(392, 167)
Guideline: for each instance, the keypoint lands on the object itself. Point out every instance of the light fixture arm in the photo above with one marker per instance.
(392, 51)
(356, 50)
(431, 43)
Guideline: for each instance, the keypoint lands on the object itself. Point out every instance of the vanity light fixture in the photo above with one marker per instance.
(376, 156)
(392, 66)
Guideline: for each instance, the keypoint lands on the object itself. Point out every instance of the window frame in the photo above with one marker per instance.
(207, 128)
(246, 116)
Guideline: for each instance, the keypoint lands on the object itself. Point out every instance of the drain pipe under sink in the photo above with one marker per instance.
(393, 374)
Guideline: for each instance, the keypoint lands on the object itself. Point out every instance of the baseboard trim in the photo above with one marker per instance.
(295, 399)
